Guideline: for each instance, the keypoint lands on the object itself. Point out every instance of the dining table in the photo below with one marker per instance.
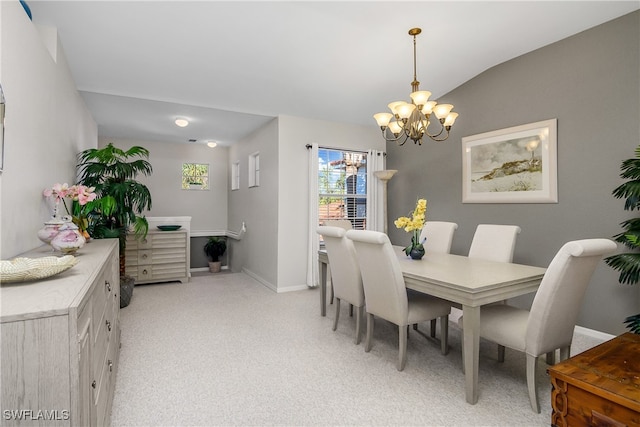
(466, 282)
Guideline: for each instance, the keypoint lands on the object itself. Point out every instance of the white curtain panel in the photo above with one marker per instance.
(375, 203)
(312, 250)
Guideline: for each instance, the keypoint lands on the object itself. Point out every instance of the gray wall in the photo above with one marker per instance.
(207, 208)
(589, 82)
(257, 252)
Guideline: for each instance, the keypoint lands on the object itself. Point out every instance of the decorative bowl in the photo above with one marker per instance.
(27, 269)
(169, 227)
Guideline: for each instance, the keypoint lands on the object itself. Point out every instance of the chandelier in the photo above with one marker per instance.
(412, 119)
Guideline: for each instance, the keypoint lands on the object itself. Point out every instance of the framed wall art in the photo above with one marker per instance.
(512, 165)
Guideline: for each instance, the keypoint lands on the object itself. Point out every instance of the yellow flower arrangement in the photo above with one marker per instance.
(414, 225)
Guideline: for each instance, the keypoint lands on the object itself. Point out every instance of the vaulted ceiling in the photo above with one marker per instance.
(231, 66)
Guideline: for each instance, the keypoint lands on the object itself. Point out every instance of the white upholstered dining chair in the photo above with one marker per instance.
(344, 224)
(549, 324)
(386, 295)
(494, 242)
(439, 235)
(345, 273)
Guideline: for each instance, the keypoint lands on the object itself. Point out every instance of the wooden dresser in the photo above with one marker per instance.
(159, 257)
(61, 342)
(600, 387)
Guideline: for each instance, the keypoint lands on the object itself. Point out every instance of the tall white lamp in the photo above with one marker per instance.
(385, 176)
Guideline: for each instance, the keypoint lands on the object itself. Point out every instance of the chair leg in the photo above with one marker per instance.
(565, 352)
(350, 310)
(367, 344)
(402, 347)
(335, 319)
(358, 323)
(500, 353)
(331, 294)
(444, 334)
(531, 383)
(551, 358)
(415, 326)
(433, 328)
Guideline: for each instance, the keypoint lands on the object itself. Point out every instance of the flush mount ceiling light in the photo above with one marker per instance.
(412, 119)
(182, 122)
(212, 144)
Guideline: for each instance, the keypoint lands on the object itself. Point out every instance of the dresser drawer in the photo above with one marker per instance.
(144, 256)
(160, 257)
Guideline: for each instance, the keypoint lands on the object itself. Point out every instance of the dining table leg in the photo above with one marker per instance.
(323, 287)
(471, 336)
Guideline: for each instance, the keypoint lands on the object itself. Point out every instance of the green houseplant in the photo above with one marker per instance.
(120, 198)
(215, 248)
(628, 263)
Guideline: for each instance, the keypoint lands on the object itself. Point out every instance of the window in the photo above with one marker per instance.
(342, 186)
(195, 176)
(254, 170)
(235, 176)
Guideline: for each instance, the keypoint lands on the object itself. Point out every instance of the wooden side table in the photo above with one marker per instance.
(600, 387)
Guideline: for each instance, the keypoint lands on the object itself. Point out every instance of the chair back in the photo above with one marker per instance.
(439, 235)
(494, 242)
(384, 287)
(342, 223)
(345, 272)
(557, 303)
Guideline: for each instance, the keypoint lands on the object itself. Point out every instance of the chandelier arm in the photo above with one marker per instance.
(391, 138)
(396, 139)
(435, 137)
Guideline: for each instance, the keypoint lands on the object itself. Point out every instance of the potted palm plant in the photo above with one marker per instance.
(628, 263)
(215, 248)
(120, 198)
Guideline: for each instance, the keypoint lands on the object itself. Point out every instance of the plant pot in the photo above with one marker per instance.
(214, 267)
(126, 290)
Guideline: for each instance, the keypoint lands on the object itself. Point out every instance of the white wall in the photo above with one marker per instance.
(207, 208)
(257, 253)
(274, 249)
(46, 125)
(293, 213)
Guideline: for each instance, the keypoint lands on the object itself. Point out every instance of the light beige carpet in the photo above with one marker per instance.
(223, 350)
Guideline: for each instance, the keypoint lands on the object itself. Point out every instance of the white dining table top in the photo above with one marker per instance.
(465, 280)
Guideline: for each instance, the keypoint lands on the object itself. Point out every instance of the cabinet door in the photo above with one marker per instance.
(85, 416)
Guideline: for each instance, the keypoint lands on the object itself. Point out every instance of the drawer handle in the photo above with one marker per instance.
(144, 256)
(144, 271)
(107, 285)
(110, 366)
(108, 326)
(93, 384)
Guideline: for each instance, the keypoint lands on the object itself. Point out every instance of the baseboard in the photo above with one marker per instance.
(260, 279)
(593, 333)
(293, 288)
(205, 269)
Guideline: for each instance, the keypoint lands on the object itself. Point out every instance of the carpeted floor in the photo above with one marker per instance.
(223, 350)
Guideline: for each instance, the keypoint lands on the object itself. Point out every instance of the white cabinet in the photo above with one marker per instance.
(61, 342)
(160, 257)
